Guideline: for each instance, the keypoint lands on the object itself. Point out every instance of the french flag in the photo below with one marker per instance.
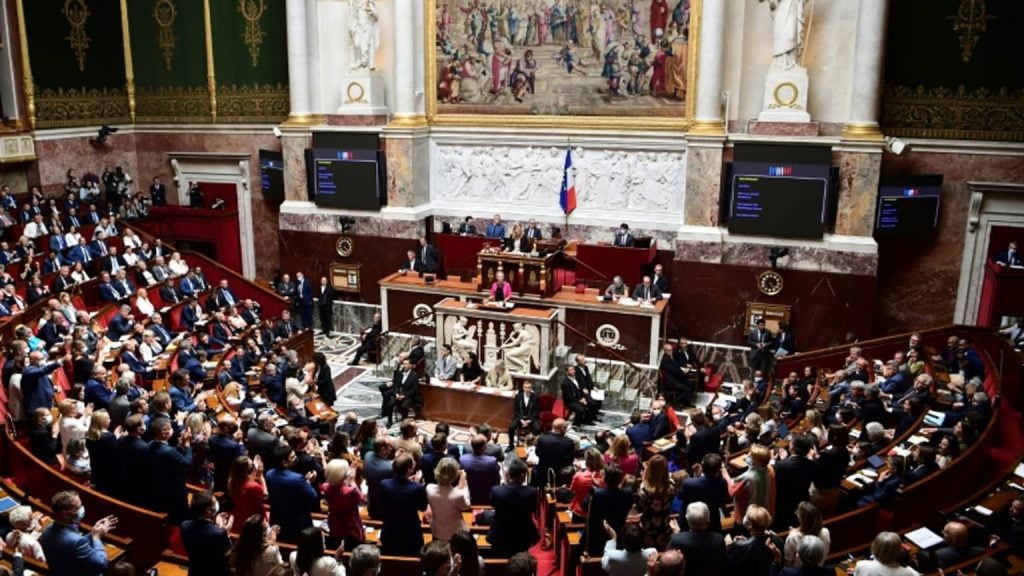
(567, 197)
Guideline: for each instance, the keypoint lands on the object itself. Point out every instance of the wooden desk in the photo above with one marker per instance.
(527, 274)
(441, 402)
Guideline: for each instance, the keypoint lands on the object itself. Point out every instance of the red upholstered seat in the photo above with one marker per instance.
(547, 416)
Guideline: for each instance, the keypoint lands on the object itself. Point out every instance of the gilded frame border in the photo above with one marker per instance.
(669, 123)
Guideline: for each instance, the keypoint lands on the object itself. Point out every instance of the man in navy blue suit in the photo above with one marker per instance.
(133, 458)
(107, 291)
(121, 323)
(69, 553)
(181, 397)
(206, 537)
(292, 497)
(482, 471)
(1009, 257)
(401, 534)
(304, 300)
(80, 253)
(36, 386)
(168, 469)
(709, 488)
(513, 529)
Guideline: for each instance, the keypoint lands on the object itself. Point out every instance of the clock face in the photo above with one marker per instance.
(345, 246)
(769, 282)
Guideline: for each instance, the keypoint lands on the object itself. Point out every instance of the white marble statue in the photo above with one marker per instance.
(520, 349)
(787, 32)
(463, 340)
(364, 33)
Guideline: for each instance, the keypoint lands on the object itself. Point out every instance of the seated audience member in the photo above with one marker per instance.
(499, 377)
(632, 559)
(412, 263)
(205, 537)
(885, 552)
(646, 292)
(922, 463)
(640, 430)
(447, 501)
(369, 340)
(496, 228)
(617, 288)
(753, 555)
(889, 482)
(445, 366)
(402, 499)
(470, 371)
(957, 548)
(466, 228)
(525, 414)
(482, 471)
(438, 559)
(513, 529)
(1008, 525)
(68, 552)
(703, 548)
(577, 398)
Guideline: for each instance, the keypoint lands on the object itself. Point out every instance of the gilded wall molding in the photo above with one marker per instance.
(970, 20)
(173, 104)
(66, 107)
(252, 11)
(77, 14)
(956, 113)
(261, 103)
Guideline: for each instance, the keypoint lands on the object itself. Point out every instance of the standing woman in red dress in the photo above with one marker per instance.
(247, 489)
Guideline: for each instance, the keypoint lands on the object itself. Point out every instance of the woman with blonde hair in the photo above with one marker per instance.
(816, 426)
(885, 551)
(233, 395)
(343, 499)
(447, 503)
(653, 501)
(621, 452)
(102, 446)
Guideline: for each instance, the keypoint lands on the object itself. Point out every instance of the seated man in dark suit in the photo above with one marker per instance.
(273, 384)
(407, 397)
(703, 548)
(646, 291)
(525, 414)
(678, 386)
(513, 529)
(1009, 257)
(923, 463)
(956, 550)
(416, 351)
(1008, 525)
(412, 263)
(285, 328)
(370, 337)
(205, 537)
(576, 399)
(623, 238)
(107, 291)
(121, 324)
(640, 430)
(169, 294)
(467, 228)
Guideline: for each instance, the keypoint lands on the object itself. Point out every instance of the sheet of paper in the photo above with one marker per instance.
(982, 510)
(597, 395)
(1019, 472)
(924, 538)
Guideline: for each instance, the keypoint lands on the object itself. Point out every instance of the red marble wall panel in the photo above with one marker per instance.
(917, 278)
(709, 303)
(313, 253)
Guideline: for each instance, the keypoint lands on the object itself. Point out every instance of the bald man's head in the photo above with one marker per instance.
(671, 563)
(955, 533)
(559, 426)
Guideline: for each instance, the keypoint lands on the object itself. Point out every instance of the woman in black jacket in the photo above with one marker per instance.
(830, 468)
(44, 440)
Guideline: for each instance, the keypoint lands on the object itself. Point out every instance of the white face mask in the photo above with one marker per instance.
(48, 419)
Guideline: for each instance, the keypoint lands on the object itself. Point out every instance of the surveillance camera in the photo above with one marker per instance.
(895, 145)
(277, 132)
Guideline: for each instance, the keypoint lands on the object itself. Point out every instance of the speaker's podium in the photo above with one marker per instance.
(1000, 294)
(527, 274)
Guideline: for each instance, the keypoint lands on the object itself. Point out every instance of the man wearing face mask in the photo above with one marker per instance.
(206, 537)
(69, 553)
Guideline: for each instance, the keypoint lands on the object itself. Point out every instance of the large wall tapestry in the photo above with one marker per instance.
(626, 63)
(953, 70)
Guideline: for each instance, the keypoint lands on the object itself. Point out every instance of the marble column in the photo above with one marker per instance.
(313, 57)
(869, 49)
(405, 53)
(298, 58)
(860, 166)
(294, 141)
(708, 118)
(703, 179)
